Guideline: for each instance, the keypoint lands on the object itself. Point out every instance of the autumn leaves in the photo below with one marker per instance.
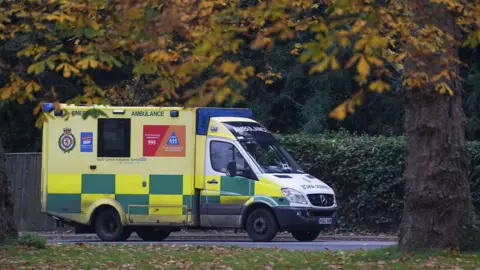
(194, 46)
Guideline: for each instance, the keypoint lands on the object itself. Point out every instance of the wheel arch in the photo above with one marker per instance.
(254, 206)
(102, 204)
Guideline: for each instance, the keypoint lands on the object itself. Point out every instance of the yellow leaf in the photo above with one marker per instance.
(320, 67)
(340, 112)
(31, 69)
(67, 69)
(83, 64)
(444, 88)
(268, 82)
(379, 86)
(51, 17)
(344, 42)
(93, 24)
(348, 106)
(59, 67)
(298, 45)
(376, 61)
(228, 67)
(334, 63)
(32, 86)
(66, 72)
(221, 95)
(378, 42)
(261, 42)
(93, 63)
(360, 44)
(363, 67)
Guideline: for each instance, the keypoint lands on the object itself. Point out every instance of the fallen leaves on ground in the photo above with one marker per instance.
(162, 256)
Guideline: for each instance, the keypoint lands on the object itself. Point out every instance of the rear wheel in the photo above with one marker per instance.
(153, 234)
(108, 226)
(305, 236)
(261, 225)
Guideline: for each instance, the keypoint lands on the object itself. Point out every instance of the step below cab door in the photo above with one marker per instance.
(225, 195)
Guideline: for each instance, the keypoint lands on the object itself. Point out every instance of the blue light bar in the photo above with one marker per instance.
(174, 113)
(204, 115)
(48, 107)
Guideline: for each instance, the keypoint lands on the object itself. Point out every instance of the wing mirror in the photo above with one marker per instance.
(232, 168)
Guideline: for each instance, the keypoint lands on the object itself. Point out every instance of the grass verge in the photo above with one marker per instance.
(83, 256)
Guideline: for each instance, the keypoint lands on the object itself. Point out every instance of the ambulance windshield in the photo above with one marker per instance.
(263, 147)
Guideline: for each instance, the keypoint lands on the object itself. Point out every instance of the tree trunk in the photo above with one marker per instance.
(7, 224)
(438, 211)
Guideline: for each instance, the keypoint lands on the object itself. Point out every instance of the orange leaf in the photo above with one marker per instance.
(340, 112)
(400, 57)
(444, 74)
(352, 60)
(5, 93)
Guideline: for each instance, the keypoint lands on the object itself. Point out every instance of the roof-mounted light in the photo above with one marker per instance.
(174, 113)
(118, 111)
(48, 107)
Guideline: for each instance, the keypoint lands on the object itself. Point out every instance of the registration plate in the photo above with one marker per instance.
(325, 221)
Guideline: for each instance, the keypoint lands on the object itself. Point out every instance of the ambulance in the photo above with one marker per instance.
(158, 170)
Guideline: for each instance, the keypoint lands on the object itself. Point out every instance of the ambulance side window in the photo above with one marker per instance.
(221, 153)
(114, 137)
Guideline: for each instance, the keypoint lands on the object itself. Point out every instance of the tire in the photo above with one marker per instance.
(108, 226)
(261, 225)
(305, 236)
(152, 234)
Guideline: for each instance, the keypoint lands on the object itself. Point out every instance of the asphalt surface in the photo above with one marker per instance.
(291, 245)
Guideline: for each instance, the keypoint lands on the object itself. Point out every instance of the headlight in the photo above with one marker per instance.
(294, 196)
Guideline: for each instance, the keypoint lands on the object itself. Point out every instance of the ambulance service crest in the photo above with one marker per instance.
(66, 142)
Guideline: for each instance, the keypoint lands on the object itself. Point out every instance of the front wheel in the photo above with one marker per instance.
(152, 234)
(261, 225)
(109, 227)
(305, 236)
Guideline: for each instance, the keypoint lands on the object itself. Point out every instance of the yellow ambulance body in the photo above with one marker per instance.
(155, 170)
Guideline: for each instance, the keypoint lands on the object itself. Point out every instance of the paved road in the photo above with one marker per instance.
(293, 245)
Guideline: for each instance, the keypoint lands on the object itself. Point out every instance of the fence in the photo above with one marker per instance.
(24, 169)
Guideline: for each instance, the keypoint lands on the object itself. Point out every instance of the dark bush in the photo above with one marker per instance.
(32, 240)
(366, 173)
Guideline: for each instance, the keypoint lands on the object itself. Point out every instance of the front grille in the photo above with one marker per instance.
(321, 199)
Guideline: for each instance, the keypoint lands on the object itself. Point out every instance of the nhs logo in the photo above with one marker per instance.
(86, 142)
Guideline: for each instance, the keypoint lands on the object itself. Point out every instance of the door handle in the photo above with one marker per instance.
(213, 181)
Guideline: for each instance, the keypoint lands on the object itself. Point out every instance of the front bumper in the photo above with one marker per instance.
(304, 219)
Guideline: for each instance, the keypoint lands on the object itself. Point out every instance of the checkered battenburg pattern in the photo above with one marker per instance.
(152, 195)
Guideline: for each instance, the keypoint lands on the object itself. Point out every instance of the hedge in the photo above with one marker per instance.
(366, 173)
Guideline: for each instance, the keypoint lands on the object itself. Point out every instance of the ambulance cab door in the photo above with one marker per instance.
(226, 195)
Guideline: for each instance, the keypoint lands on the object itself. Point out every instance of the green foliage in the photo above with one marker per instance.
(366, 173)
(32, 240)
(16, 130)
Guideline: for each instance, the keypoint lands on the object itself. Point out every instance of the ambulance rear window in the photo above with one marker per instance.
(114, 137)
